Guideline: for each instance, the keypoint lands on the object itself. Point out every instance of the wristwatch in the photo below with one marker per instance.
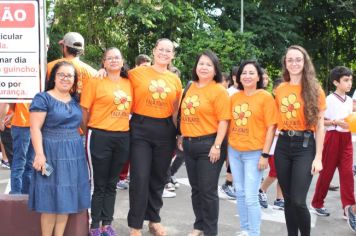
(265, 155)
(217, 146)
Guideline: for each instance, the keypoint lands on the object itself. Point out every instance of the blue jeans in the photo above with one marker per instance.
(247, 179)
(21, 169)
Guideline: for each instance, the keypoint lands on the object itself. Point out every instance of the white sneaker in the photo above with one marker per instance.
(175, 182)
(170, 187)
(168, 194)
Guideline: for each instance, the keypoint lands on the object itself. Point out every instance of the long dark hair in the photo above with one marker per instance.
(215, 60)
(310, 86)
(259, 73)
(51, 81)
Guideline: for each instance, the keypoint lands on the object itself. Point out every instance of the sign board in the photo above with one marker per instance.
(22, 50)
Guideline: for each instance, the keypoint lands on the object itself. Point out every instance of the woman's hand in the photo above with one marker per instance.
(180, 142)
(39, 163)
(342, 124)
(317, 166)
(214, 154)
(101, 74)
(262, 163)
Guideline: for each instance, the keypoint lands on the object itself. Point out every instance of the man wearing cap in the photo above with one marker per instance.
(72, 47)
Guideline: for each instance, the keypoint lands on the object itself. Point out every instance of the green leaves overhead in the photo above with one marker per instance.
(325, 27)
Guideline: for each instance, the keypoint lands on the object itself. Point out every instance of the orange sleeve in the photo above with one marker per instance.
(222, 105)
(179, 89)
(270, 111)
(88, 94)
(322, 100)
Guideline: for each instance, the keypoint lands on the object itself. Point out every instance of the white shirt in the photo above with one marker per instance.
(354, 96)
(232, 90)
(337, 110)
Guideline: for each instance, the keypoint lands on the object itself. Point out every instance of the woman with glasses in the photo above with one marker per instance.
(301, 105)
(106, 107)
(60, 185)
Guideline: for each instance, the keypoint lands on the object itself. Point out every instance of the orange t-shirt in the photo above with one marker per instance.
(109, 103)
(252, 115)
(155, 93)
(203, 108)
(21, 115)
(85, 72)
(291, 106)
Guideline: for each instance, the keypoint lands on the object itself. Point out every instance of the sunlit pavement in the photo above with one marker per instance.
(177, 214)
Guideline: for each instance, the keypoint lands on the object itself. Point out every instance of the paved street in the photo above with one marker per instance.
(177, 214)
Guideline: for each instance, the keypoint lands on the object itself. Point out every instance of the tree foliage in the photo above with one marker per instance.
(324, 27)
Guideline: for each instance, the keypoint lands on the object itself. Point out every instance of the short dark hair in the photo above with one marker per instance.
(338, 72)
(259, 72)
(277, 82)
(174, 70)
(73, 51)
(142, 58)
(51, 81)
(215, 60)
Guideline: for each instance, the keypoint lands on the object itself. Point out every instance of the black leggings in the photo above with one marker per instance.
(293, 165)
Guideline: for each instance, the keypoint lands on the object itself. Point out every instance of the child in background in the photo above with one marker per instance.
(338, 150)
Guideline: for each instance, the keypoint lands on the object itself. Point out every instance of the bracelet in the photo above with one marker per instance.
(265, 155)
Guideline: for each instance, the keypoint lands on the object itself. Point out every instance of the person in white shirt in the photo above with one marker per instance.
(338, 150)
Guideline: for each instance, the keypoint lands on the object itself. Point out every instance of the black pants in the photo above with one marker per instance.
(176, 164)
(109, 151)
(152, 145)
(293, 165)
(203, 178)
(6, 139)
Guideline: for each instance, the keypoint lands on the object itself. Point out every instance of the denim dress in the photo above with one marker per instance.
(67, 189)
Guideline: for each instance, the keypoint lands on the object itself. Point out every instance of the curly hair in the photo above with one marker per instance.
(310, 86)
(51, 81)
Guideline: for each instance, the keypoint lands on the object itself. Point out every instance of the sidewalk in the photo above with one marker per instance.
(177, 214)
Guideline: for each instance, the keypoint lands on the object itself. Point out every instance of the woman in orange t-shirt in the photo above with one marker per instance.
(106, 109)
(205, 115)
(153, 137)
(251, 134)
(301, 104)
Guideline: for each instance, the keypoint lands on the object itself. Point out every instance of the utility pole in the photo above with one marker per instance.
(242, 17)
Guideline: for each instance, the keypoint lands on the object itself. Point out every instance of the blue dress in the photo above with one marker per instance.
(67, 189)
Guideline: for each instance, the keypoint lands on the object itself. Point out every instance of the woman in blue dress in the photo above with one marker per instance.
(55, 118)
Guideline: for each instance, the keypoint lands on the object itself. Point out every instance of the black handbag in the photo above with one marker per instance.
(180, 106)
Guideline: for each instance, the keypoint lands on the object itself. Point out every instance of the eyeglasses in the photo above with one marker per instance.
(113, 58)
(297, 60)
(162, 50)
(62, 76)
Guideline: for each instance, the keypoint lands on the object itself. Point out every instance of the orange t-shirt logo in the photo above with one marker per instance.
(289, 106)
(189, 105)
(122, 100)
(241, 114)
(159, 89)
